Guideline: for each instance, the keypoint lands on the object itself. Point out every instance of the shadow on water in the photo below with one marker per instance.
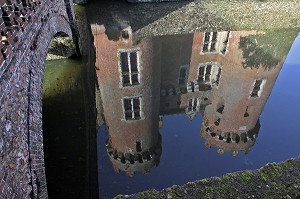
(64, 128)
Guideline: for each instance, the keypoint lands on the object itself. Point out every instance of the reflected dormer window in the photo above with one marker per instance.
(129, 63)
(132, 108)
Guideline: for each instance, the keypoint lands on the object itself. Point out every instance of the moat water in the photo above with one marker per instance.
(185, 156)
(194, 144)
(64, 128)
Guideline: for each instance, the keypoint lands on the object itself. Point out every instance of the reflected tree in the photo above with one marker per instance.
(267, 48)
(62, 45)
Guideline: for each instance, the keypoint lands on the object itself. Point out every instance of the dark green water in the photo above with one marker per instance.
(64, 128)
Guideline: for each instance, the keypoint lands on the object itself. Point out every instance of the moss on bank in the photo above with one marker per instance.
(274, 180)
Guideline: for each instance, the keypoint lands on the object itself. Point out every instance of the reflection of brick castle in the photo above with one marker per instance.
(192, 73)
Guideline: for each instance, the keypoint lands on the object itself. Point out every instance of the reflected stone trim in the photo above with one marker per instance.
(132, 162)
(229, 141)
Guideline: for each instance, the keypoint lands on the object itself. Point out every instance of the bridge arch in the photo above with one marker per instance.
(56, 24)
(22, 170)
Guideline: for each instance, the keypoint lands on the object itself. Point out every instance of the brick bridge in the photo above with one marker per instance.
(27, 27)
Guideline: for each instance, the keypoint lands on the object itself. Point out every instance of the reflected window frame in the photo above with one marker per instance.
(257, 88)
(209, 73)
(132, 107)
(183, 74)
(215, 42)
(193, 104)
(129, 67)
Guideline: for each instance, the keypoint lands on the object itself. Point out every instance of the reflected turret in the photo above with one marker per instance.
(129, 78)
(232, 142)
(230, 122)
(131, 163)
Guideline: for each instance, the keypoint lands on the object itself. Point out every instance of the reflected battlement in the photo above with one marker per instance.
(215, 74)
(141, 161)
(229, 141)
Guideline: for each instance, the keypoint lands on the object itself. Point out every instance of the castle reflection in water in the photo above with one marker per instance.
(204, 73)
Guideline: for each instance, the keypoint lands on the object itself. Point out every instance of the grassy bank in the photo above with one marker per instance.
(274, 180)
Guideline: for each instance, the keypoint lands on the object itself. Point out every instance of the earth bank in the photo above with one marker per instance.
(274, 180)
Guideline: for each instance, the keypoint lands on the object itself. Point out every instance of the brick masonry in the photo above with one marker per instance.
(27, 28)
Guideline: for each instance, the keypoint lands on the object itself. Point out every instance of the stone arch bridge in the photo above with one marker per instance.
(27, 27)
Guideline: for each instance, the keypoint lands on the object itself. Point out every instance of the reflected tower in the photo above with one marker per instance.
(129, 82)
(231, 120)
(205, 73)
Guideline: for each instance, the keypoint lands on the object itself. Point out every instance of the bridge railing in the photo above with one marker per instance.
(15, 16)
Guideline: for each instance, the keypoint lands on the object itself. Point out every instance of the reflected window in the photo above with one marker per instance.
(205, 73)
(225, 43)
(217, 122)
(220, 109)
(209, 44)
(132, 108)
(193, 104)
(182, 75)
(129, 63)
(257, 88)
(246, 114)
(209, 73)
(215, 42)
(193, 108)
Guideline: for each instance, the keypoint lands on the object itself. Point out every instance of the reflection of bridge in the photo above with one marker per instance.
(193, 73)
(27, 28)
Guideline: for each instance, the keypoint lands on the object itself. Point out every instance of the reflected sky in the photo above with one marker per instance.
(218, 106)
